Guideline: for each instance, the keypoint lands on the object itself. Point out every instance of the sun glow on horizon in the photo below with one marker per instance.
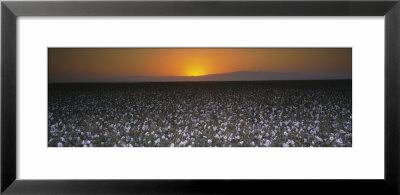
(195, 73)
(196, 68)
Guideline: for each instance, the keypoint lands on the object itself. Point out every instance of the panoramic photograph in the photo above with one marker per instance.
(199, 97)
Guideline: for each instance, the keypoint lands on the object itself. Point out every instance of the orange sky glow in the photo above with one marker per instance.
(73, 64)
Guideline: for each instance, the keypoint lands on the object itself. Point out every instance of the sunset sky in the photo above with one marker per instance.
(97, 64)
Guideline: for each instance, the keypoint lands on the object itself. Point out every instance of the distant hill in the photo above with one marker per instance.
(232, 76)
(235, 76)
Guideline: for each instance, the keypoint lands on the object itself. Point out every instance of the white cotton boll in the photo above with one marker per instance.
(285, 133)
(59, 144)
(183, 143)
(267, 143)
(331, 138)
(241, 142)
(285, 145)
(172, 145)
(157, 141)
(209, 141)
(316, 129)
(319, 139)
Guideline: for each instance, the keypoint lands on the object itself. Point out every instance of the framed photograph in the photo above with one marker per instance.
(207, 97)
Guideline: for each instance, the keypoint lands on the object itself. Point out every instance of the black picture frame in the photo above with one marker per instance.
(11, 10)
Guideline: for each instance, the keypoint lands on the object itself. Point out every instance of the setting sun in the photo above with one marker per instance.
(195, 71)
(196, 68)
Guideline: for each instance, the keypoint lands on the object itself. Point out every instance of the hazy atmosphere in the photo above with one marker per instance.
(197, 64)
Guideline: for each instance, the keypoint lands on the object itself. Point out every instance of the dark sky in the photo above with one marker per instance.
(103, 64)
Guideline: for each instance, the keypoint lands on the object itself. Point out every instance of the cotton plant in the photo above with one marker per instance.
(180, 115)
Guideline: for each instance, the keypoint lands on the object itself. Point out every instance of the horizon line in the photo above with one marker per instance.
(127, 82)
(120, 78)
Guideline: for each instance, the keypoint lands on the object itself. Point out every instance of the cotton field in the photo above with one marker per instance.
(201, 114)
